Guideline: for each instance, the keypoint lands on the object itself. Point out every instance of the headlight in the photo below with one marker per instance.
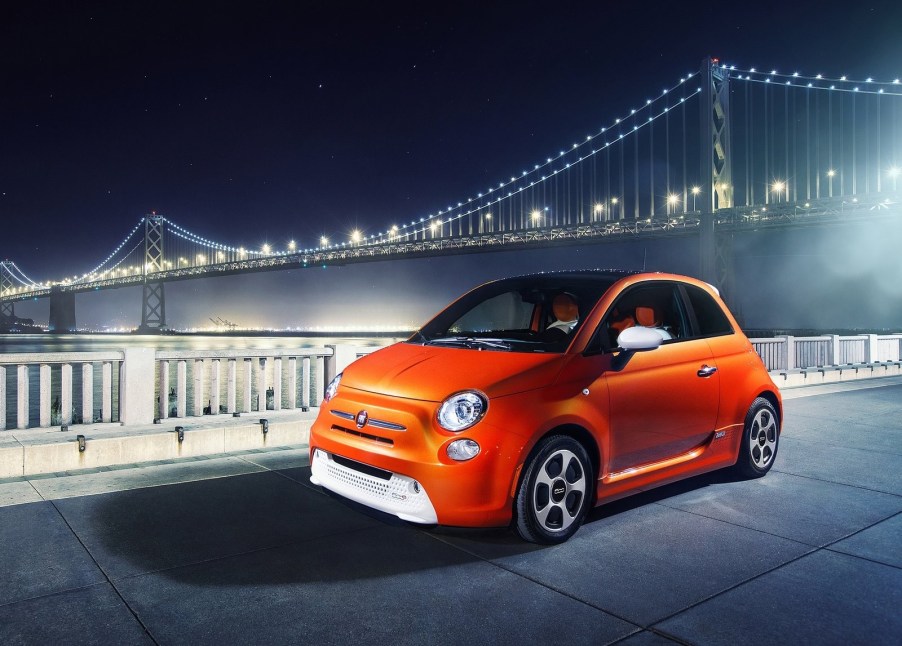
(463, 450)
(332, 388)
(462, 410)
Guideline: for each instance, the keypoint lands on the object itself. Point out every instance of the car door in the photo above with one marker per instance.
(663, 402)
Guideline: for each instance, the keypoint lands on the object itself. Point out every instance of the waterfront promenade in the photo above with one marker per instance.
(240, 548)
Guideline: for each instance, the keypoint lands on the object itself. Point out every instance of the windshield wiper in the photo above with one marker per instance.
(472, 342)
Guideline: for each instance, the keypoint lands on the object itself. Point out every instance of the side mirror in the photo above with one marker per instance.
(639, 338)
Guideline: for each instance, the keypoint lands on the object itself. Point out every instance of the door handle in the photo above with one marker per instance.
(706, 370)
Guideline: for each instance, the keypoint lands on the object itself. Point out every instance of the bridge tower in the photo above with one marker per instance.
(6, 285)
(153, 311)
(715, 250)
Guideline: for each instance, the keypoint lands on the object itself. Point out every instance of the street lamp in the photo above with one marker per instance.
(695, 192)
(672, 200)
(777, 188)
(292, 245)
(830, 175)
(599, 209)
(266, 249)
(355, 236)
(535, 216)
(323, 241)
(893, 174)
(614, 202)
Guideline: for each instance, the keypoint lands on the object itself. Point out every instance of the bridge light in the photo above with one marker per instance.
(355, 236)
(598, 208)
(266, 248)
(201, 258)
(536, 215)
(292, 245)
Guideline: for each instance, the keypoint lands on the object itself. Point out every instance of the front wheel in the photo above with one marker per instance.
(554, 492)
(760, 438)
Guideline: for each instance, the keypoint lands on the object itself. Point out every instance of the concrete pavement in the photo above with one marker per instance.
(240, 548)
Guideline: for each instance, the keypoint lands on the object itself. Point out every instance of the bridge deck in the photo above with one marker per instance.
(241, 548)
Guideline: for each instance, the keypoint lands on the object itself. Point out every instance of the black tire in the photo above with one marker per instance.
(760, 440)
(555, 491)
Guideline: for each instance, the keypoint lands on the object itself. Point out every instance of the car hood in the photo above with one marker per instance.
(431, 373)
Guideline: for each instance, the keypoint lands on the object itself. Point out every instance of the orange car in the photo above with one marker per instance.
(531, 399)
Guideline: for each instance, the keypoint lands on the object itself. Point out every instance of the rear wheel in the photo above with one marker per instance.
(760, 438)
(554, 493)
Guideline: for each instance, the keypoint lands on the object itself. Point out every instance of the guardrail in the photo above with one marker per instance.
(785, 353)
(141, 385)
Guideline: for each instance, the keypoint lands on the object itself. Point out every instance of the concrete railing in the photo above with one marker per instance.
(793, 353)
(142, 385)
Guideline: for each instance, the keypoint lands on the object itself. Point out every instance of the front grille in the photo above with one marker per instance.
(376, 472)
(379, 423)
(366, 436)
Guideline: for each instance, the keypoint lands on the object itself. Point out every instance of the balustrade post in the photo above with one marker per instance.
(261, 384)
(2, 398)
(87, 393)
(45, 394)
(214, 387)
(106, 389)
(835, 352)
(198, 387)
(231, 386)
(181, 388)
(277, 383)
(305, 382)
(22, 396)
(292, 382)
(66, 394)
(136, 377)
(790, 352)
(248, 372)
(163, 412)
(319, 381)
(871, 352)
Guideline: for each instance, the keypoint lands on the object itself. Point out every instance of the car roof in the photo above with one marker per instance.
(572, 274)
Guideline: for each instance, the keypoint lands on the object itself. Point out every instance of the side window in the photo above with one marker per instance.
(653, 305)
(710, 318)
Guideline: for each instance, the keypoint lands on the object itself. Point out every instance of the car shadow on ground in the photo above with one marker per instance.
(267, 529)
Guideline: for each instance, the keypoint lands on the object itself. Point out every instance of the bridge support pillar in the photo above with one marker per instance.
(153, 309)
(62, 311)
(6, 287)
(153, 303)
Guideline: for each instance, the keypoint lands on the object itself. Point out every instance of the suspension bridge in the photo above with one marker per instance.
(718, 151)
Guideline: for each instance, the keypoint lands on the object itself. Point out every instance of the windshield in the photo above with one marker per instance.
(539, 313)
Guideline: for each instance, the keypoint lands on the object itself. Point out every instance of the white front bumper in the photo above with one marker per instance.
(399, 495)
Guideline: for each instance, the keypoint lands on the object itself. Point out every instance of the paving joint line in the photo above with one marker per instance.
(105, 575)
(842, 484)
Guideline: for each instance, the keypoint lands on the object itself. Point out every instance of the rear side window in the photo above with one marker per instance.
(710, 318)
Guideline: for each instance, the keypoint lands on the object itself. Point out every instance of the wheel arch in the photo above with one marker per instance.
(775, 402)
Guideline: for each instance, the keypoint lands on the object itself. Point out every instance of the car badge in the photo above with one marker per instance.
(362, 418)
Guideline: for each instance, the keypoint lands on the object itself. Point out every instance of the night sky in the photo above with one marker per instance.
(268, 122)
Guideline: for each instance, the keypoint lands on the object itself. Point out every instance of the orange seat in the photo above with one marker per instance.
(565, 308)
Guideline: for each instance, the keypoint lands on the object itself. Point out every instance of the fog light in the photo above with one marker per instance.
(463, 450)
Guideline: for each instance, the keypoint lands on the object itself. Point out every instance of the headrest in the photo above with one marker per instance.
(647, 317)
(565, 308)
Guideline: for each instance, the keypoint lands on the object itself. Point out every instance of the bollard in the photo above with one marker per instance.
(264, 424)
(81, 443)
(180, 430)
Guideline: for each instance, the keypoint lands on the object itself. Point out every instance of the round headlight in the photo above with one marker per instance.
(463, 450)
(462, 410)
(332, 388)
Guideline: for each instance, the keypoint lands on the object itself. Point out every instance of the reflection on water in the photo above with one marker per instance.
(22, 343)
